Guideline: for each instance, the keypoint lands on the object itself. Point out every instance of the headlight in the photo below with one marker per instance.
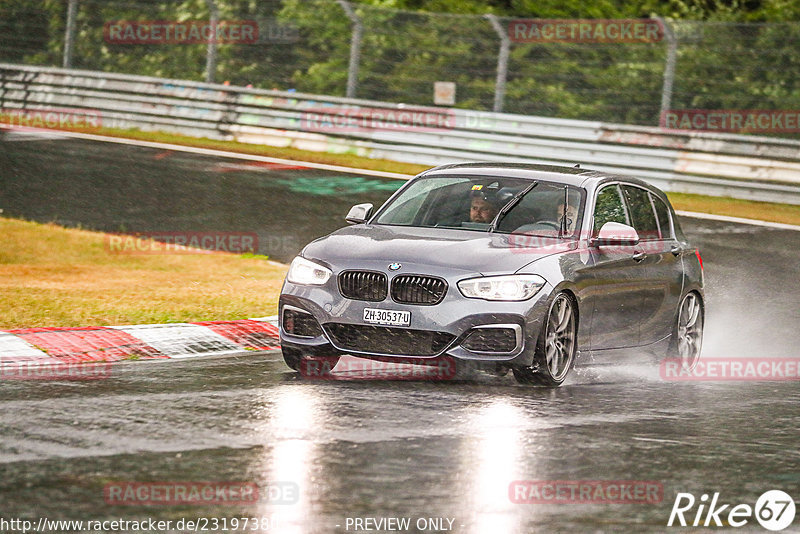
(510, 287)
(305, 272)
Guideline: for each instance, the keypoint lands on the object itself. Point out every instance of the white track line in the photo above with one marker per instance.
(234, 155)
(737, 220)
(18, 136)
(13, 349)
(352, 170)
(181, 340)
(272, 319)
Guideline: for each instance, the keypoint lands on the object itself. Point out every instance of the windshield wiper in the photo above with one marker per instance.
(510, 204)
(562, 227)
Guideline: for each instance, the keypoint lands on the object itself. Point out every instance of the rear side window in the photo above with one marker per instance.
(642, 213)
(609, 208)
(662, 215)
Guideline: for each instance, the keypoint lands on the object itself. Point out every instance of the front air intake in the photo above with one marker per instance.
(415, 289)
(301, 324)
(363, 285)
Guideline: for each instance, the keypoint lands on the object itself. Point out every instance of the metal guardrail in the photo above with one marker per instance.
(759, 168)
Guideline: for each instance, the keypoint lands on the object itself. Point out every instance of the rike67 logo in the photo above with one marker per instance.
(774, 510)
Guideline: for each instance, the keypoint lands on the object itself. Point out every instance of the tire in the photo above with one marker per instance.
(556, 347)
(292, 357)
(687, 335)
(309, 365)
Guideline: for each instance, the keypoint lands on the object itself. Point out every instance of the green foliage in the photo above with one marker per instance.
(407, 45)
(608, 208)
(21, 22)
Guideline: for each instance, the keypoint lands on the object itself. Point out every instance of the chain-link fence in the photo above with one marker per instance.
(332, 47)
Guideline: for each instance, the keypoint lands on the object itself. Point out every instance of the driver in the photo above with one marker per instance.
(483, 208)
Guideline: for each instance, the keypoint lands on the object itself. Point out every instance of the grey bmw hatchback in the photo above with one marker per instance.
(531, 268)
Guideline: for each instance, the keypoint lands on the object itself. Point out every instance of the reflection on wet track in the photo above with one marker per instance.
(445, 450)
(391, 448)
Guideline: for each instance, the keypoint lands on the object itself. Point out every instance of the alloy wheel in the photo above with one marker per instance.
(560, 338)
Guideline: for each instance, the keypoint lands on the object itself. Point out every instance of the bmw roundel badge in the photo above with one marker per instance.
(394, 266)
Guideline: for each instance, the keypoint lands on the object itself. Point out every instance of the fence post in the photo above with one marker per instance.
(502, 63)
(669, 69)
(355, 48)
(69, 33)
(211, 51)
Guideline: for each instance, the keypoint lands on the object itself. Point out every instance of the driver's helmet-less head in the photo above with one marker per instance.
(493, 193)
(483, 205)
(487, 200)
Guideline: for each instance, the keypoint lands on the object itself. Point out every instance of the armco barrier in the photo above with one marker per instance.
(760, 168)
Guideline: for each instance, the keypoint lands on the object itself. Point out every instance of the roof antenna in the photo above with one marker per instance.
(577, 166)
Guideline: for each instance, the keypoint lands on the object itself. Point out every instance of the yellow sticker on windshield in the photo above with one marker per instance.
(477, 187)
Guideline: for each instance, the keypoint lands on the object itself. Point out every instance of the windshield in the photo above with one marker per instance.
(503, 205)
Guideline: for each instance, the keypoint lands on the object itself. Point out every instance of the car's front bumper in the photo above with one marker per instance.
(456, 316)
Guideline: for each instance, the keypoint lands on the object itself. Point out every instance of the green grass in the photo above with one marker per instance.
(53, 276)
(749, 209)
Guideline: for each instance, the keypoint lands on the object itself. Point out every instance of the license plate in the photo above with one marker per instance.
(387, 317)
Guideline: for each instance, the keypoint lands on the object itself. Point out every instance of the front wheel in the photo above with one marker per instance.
(556, 346)
(688, 332)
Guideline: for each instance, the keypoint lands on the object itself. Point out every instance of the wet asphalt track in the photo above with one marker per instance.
(373, 448)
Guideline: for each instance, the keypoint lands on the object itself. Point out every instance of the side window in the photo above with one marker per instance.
(662, 214)
(608, 208)
(644, 218)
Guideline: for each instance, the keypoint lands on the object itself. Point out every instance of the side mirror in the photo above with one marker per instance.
(359, 213)
(615, 234)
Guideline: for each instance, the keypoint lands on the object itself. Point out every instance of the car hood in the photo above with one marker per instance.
(459, 250)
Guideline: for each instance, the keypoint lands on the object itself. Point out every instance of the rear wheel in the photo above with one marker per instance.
(556, 347)
(687, 338)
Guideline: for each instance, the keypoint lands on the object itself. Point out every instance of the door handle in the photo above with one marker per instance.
(675, 249)
(639, 256)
